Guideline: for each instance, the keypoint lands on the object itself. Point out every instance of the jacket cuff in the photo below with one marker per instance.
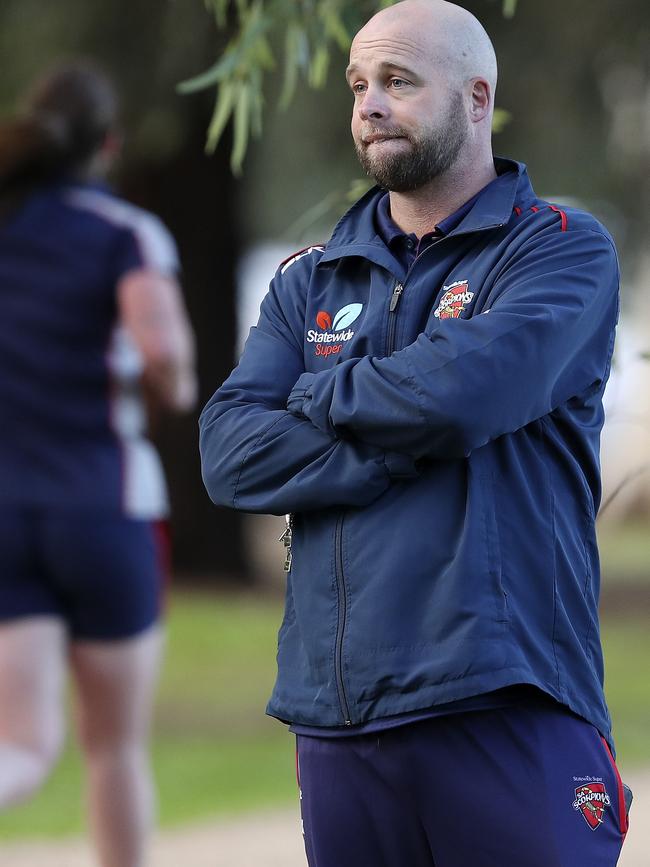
(300, 395)
(400, 466)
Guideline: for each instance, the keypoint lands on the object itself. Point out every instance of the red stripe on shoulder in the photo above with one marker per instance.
(563, 217)
(286, 263)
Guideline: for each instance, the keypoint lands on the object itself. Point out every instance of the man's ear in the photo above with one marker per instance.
(480, 99)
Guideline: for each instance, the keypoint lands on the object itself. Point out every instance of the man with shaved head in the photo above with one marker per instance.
(426, 138)
(423, 398)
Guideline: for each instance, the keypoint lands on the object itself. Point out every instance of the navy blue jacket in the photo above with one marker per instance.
(435, 435)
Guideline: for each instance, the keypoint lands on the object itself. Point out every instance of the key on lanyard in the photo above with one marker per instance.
(285, 538)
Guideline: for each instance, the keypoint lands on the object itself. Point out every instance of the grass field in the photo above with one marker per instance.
(214, 749)
(216, 752)
(625, 553)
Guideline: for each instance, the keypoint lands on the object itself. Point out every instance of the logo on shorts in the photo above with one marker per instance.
(333, 333)
(591, 800)
(454, 300)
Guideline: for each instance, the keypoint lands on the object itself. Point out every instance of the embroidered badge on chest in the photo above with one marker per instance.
(591, 800)
(455, 299)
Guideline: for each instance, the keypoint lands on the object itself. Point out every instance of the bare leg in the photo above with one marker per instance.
(32, 666)
(115, 685)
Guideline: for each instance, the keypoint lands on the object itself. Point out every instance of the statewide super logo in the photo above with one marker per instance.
(591, 800)
(454, 300)
(333, 333)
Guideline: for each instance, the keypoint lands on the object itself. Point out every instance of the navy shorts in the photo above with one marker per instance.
(511, 787)
(102, 574)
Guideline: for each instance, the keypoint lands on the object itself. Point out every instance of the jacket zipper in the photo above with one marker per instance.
(392, 314)
(396, 296)
(342, 617)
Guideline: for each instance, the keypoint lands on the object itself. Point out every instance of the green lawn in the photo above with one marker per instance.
(215, 751)
(625, 553)
(626, 645)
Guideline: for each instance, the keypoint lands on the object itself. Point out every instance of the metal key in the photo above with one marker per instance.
(285, 538)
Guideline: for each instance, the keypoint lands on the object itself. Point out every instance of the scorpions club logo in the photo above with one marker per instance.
(591, 800)
(454, 300)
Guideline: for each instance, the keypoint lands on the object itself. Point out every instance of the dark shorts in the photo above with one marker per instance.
(102, 574)
(512, 787)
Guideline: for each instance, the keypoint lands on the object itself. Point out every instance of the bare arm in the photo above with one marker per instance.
(151, 308)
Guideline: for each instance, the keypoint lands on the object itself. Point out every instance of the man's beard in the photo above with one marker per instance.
(432, 152)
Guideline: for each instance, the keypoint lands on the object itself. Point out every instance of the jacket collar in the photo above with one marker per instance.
(355, 233)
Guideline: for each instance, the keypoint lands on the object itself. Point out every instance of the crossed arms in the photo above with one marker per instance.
(277, 439)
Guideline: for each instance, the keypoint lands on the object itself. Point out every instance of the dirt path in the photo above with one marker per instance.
(269, 839)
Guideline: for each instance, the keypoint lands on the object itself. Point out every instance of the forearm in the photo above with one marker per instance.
(170, 369)
(261, 460)
(153, 312)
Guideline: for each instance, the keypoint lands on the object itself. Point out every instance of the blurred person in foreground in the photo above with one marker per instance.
(423, 396)
(91, 311)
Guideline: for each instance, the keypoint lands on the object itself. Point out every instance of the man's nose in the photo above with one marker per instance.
(372, 106)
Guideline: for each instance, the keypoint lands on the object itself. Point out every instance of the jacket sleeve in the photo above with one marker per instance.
(546, 339)
(257, 457)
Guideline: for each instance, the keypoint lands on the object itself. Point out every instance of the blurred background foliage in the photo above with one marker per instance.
(305, 32)
(574, 78)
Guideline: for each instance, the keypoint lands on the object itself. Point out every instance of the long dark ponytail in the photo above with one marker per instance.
(66, 118)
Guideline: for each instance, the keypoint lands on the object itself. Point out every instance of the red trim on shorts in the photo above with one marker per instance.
(297, 765)
(563, 217)
(623, 819)
(517, 211)
(163, 540)
(534, 209)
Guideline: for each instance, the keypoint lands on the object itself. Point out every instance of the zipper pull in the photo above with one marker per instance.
(285, 538)
(394, 298)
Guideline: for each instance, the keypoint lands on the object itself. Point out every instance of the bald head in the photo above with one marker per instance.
(450, 36)
(423, 74)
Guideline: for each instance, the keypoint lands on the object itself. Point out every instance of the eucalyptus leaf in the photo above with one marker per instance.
(358, 187)
(501, 119)
(242, 8)
(220, 9)
(307, 221)
(312, 29)
(319, 67)
(291, 64)
(336, 29)
(257, 103)
(264, 54)
(223, 110)
(241, 127)
(206, 79)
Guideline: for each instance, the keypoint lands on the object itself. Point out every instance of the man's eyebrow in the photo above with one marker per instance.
(384, 66)
(351, 68)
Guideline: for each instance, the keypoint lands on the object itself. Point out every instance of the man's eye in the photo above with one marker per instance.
(358, 88)
(397, 82)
